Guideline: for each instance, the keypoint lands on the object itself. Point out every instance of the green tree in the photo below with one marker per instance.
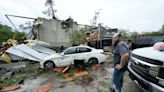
(162, 29)
(134, 35)
(158, 33)
(19, 35)
(125, 33)
(77, 36)
(26, 27)
(6, 33)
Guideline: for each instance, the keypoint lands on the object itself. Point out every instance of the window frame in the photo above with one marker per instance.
(70, 49)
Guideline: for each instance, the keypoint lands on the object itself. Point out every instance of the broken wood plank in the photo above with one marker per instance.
(10, 88)
(76, 75)
(45, 88)
(58, 69)
(65, 69)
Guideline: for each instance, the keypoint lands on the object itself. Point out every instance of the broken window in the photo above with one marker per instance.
(64, 25)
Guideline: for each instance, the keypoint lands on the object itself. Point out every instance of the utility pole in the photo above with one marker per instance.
(95, 25)
(95, 17)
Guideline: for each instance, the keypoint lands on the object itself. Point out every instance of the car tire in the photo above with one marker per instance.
(49, 65)
(93, 61)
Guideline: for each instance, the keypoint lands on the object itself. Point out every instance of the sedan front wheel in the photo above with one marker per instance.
(49, 65)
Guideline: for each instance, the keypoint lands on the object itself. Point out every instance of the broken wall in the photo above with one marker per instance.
(56, 31)
(50, 31)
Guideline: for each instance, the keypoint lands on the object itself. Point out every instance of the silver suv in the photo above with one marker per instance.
(146, 68)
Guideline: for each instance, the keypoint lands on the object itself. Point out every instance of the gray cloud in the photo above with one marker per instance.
(134, 15)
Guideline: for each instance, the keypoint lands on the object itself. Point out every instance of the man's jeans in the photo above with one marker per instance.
(118, 79)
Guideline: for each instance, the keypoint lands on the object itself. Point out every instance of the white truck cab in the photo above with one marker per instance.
(146, 68)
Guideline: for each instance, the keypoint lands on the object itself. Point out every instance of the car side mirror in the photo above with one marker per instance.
(62, 54)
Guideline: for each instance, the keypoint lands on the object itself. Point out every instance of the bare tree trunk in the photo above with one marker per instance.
(53, 13)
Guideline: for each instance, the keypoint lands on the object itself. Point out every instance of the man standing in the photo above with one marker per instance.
(121, 56)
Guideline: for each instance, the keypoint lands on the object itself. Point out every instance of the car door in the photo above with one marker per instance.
(84, 53)
(68, 56)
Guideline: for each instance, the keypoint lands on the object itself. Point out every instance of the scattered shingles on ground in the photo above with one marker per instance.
(98, 80)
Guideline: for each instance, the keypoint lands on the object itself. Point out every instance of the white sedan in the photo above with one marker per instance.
(68, 57)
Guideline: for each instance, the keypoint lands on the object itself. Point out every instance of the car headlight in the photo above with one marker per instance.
(154, 71)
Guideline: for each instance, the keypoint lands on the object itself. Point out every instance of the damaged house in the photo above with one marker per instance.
(56, 32)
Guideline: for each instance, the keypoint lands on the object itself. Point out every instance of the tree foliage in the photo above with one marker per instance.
(6, 33)
(157, 33)
(134, 35)
(77, 36)
(125, 33)
(162, 29)
(27, 27)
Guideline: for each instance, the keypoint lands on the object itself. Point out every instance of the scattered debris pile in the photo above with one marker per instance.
(11, 88)
(20, 79)
(34, 50)
(15, 73)
(45, 88)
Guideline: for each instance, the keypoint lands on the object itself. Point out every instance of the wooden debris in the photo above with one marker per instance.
(45, 88)
(11, 88)
(61, 69)
(76, 75)
(58, 69)
(96, 66)
(65, 69)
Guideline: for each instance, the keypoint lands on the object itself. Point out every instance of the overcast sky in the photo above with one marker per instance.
(134, 15)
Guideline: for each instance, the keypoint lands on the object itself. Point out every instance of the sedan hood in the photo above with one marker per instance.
(52, 56)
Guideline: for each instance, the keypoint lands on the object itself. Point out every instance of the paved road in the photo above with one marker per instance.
(99, 81)
(129, 85)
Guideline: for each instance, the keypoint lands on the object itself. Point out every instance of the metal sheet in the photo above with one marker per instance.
(44, 50)
(14, 57)
(45, 44)
(18, 53)
(24, 48)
